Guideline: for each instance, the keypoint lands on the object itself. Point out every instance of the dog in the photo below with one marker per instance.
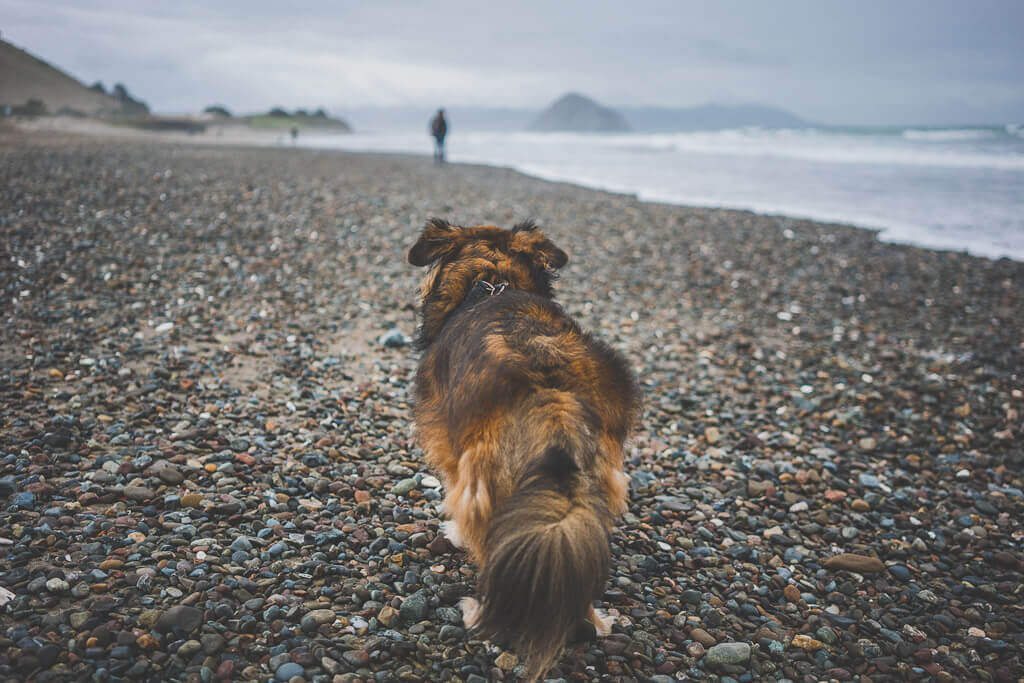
(524, 415)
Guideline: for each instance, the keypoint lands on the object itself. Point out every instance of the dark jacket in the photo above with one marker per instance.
(439, 127)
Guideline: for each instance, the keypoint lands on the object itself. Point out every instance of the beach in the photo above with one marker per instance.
(208, 469)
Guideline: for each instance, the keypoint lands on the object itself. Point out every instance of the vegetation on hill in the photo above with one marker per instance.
(301, 119)
(31, 87)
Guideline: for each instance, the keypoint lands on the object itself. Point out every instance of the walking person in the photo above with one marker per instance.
(439, 128)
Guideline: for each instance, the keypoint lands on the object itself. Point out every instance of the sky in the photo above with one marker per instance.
(856, 62)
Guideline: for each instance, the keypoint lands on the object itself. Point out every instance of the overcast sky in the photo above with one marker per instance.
(863, 61)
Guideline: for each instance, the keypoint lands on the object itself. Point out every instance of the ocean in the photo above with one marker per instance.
(943, 188)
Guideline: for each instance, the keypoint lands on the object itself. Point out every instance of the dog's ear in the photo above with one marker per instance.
(438, 239)
(531, 242)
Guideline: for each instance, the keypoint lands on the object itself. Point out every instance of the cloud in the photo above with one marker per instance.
(864, 62)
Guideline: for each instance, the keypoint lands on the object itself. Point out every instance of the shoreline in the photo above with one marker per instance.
(238, 135)
(208, 469)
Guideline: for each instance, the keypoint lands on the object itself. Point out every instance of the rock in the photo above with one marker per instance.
(727, 654)
(241, 543)
(191, 500)
(57, 585)
(322, 616)
(393, 339)
(440, 545)
(288, 671)
(415, 607)
(702, 637)
(212, 643)
(862, 564)
(506, 661)
(403, 487)
(138, 493)
(146, 642)
(869, 481)
(170, 475)
(806, 643)
(386, 615)
(574, 112)
(356, 658)
(180, 617)
(189, 648)
(25, 500)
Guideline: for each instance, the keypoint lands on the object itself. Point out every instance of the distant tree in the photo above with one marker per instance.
(98, 87)
(218, 110)
(277, 111)
(320, 113)
(33, 107)
(129, 105)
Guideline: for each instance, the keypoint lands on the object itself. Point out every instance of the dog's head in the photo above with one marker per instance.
(522, 257)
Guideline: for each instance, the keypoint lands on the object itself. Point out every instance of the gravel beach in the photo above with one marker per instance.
(208, 470)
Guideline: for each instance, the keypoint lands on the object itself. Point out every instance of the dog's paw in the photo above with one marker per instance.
(602, 621)
(450, 530)
(470, 612)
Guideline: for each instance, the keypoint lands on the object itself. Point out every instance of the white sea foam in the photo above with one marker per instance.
(950, 190)
(945, 134)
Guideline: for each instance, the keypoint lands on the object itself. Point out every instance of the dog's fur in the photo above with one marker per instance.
(524, 415)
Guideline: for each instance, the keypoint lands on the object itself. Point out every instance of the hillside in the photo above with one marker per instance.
(24, 77)
(574, 112)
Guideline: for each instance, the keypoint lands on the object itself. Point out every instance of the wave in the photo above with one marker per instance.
(914, 147)
(949, 134)
(942, 193)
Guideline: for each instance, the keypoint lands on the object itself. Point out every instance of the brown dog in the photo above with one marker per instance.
(524, 415)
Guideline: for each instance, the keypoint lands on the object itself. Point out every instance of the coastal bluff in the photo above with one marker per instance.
(576, 113)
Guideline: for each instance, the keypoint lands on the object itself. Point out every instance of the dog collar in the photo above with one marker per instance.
(493, 289)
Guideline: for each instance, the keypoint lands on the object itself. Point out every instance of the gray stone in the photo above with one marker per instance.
(289, 670)
(727, 653)
(415, 607)
(138, 492)
(404, 487)
(181, 617)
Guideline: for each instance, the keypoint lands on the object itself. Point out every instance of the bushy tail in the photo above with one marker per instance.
(546, 557)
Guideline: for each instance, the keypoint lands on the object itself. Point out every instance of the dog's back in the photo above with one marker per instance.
(525, 415)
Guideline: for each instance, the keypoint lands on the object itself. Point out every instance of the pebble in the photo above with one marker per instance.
(289, 670)
(57, 585)
(255, 462)
(180, 617)
(856, 563)
(506, 661)
(727, 653)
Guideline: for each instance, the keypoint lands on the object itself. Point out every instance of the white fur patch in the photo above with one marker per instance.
(603, 622)
(450, 530)
(470, 611)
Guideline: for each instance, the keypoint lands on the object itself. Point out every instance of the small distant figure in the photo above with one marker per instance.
(295, 134)
(439, 128)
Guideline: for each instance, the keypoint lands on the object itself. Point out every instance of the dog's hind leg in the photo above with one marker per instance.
(450, 530)
(470, 612)
(602, 621)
